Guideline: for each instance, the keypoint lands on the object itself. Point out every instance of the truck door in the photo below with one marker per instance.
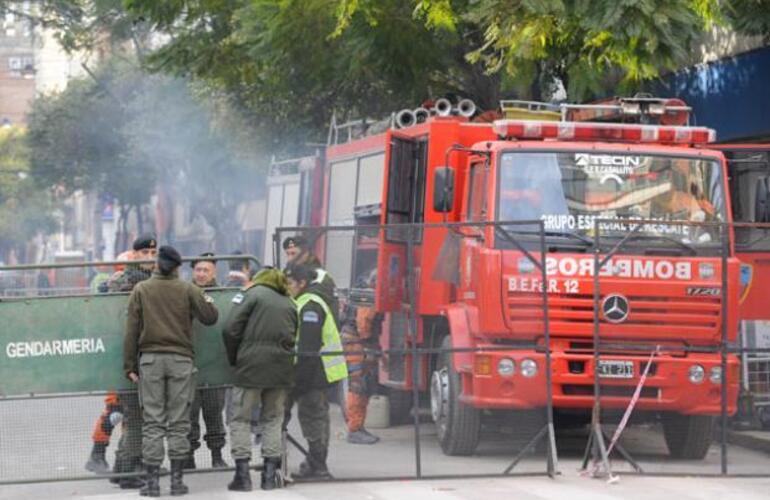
(748, 173)
(404, 200)
(398, 266)
(749, 182)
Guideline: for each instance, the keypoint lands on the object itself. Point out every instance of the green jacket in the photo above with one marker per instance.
(160, 315)
(128, 279)
(260, 333)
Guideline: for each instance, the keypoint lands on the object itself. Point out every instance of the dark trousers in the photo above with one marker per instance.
(130, 444)
(211, 402)
(313, 415)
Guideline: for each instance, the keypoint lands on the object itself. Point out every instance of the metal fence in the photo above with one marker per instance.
(493, 359)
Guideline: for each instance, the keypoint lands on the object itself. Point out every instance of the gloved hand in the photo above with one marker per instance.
(116, 418)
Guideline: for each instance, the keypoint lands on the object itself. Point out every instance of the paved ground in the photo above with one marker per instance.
(212, 486)
(50, 439)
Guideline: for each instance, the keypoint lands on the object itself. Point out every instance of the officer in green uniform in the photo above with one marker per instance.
(158, 356)
(259, 337)
(318, 333)
(298, 252)
(145, 248)
(208, 400)
(128, 456)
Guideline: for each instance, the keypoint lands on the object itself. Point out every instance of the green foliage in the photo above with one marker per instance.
(24, 208)
(588, 45)
(287, 65)
(81, 24)
(750, 17)
(290, 63)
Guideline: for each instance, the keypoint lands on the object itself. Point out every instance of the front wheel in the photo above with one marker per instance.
(688, 436)
(458, 425)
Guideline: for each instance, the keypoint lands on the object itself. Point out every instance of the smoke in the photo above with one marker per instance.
(188, 152)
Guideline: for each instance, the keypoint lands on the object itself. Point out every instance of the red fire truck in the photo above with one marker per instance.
(662, 287)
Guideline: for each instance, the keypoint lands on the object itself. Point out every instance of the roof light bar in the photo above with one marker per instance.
(615, 132)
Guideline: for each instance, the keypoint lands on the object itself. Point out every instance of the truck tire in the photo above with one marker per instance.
(458, 425)
(688, 436)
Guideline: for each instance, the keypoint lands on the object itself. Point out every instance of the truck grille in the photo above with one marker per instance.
(574, 314)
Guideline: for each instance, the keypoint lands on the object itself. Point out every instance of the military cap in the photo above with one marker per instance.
(206, 257)
(295, 241)
(169, 254)
(147, 240)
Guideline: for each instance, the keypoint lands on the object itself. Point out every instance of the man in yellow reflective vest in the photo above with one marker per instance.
(318, 334)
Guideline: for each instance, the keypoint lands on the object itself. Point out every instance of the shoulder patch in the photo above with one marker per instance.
(320, 275)
(310, 317)
(238, 299)
(208, 298)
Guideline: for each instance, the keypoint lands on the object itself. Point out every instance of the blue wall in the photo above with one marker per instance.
(730, 95)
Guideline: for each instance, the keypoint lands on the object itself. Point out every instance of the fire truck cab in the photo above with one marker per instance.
(440, 286)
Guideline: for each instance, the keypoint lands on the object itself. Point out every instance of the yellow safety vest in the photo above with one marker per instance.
(334, 364)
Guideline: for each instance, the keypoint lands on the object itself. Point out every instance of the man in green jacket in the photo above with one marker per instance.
(259, 337)
(158, 355)
(320, 362)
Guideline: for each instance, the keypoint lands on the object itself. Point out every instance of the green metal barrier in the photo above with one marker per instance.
(57, 345)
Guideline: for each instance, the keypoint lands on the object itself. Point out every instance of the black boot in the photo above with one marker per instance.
(314, 465)
(152, 482)
(189, 462)
(121, 466)
(319, 453)
(271, 473)
(242, 479)
(177, 474)
(133, 482)
(97, 461)
(216, 459)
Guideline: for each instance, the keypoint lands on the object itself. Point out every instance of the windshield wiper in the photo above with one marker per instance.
(660, 237)
(585, 240)
(577, 236)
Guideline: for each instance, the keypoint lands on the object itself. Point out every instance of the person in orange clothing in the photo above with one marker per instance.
(111, 416)
(359, 334)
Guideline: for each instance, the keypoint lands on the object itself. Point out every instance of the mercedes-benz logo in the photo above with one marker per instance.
(615, 308)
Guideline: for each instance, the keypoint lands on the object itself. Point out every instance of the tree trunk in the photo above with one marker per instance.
(121, 241)
(98, 233)
(139, 219)
(536, 88)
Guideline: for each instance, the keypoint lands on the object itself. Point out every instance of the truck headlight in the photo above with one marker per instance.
(528, 368)
(696, 374)
(506, 367)
(715, 376)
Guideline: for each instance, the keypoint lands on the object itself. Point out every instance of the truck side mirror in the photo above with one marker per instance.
(443, 189)
(761, 201)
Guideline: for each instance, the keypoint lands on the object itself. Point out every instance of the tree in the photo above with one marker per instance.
(127, 135)
(586, 45)
(279, 62)
(81, 25)
(750, 17)
(77, 142)
(24, 207)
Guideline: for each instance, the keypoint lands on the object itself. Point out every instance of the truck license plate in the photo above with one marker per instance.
(616, 369)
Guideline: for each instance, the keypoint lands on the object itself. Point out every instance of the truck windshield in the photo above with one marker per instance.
(568, 191)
